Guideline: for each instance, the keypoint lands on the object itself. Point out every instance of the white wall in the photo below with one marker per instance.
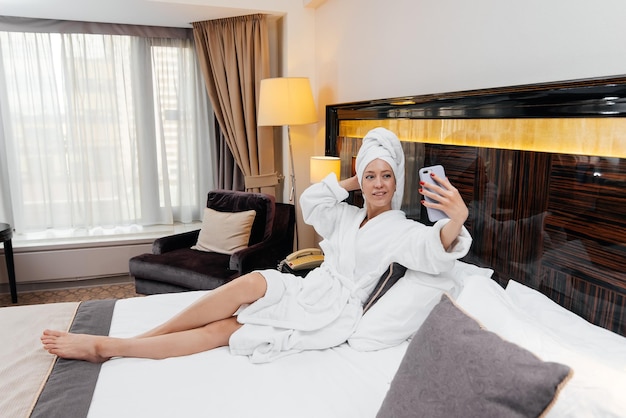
(369, 49)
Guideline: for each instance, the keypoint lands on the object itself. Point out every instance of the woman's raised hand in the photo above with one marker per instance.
(448, 197)
(451, 203)
(350, 184)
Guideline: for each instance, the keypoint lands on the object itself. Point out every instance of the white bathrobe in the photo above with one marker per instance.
(323, 309)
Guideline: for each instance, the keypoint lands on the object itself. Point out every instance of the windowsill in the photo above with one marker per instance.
(60, 240)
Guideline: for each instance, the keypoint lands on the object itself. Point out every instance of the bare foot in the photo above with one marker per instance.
(73, 346)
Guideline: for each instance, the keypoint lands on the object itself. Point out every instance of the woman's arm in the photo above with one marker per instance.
(451, 203)
(320, 204)
(350, 184)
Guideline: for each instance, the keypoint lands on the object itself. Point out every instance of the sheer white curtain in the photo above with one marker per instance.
(102, 132)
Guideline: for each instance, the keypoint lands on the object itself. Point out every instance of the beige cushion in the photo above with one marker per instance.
(224, 232)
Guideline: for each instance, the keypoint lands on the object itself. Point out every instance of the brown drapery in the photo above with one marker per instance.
(234, 57)
(228, 174)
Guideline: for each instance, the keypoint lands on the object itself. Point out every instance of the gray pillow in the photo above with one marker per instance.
(454, 368)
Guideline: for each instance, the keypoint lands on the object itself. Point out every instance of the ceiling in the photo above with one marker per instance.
(172, 13)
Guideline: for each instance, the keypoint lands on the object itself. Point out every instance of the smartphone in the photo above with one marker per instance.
(433, 214)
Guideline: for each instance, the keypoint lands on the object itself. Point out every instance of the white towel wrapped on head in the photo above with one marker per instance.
(384, 144)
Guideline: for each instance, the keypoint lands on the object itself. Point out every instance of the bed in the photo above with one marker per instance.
(531, 320)
(338, 382)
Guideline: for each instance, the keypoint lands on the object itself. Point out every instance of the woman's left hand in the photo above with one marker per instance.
(448, 197)
(451, 203)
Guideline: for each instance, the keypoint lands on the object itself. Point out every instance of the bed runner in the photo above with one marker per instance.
(70, 387)
(24, 364)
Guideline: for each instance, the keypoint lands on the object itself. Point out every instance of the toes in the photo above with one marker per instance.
(53, 333)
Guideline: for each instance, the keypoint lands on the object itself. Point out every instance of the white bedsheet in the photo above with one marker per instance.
(339, 382)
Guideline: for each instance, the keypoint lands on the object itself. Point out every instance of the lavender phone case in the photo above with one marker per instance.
(433, 214)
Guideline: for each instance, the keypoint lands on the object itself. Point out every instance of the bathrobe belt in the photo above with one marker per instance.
(355, 291)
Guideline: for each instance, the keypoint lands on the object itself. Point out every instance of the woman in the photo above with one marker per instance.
(267, 314)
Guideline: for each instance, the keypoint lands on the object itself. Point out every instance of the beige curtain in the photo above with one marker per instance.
(234, 56)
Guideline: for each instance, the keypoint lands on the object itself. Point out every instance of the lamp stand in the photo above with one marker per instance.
(292, 192)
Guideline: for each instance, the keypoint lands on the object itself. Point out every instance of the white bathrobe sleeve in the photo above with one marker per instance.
(421, 248)
(321, 206)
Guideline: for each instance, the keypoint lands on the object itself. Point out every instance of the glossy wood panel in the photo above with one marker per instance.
(554, 222)
(584, 265)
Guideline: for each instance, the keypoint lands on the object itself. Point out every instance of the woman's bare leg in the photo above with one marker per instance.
(220, 303)
(98, 349)
(205, 324)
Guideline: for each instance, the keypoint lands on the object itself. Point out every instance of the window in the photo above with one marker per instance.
(102, 132)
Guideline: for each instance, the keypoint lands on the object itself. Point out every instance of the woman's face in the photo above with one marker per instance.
(378, 185)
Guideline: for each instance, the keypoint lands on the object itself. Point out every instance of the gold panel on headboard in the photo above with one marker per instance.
(558, 135)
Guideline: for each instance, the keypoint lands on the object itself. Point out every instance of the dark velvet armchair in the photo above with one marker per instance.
(174, 267)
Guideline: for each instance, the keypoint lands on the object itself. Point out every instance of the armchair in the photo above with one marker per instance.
(173, 266)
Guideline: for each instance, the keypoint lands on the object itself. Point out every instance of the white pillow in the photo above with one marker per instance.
(594, 390)
(396, 316)
(606, 346)
(399, 313)
(224, 232)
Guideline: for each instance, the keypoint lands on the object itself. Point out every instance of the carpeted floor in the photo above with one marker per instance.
(108, 291)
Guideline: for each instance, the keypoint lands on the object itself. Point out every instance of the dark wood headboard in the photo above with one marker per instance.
(543, 170)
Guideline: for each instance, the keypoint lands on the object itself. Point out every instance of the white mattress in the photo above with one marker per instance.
(338, 382)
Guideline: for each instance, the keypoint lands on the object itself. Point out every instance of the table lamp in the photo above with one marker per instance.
(321, 166)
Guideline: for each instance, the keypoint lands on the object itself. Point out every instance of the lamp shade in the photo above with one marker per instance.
(322, 166)
(286, 101)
